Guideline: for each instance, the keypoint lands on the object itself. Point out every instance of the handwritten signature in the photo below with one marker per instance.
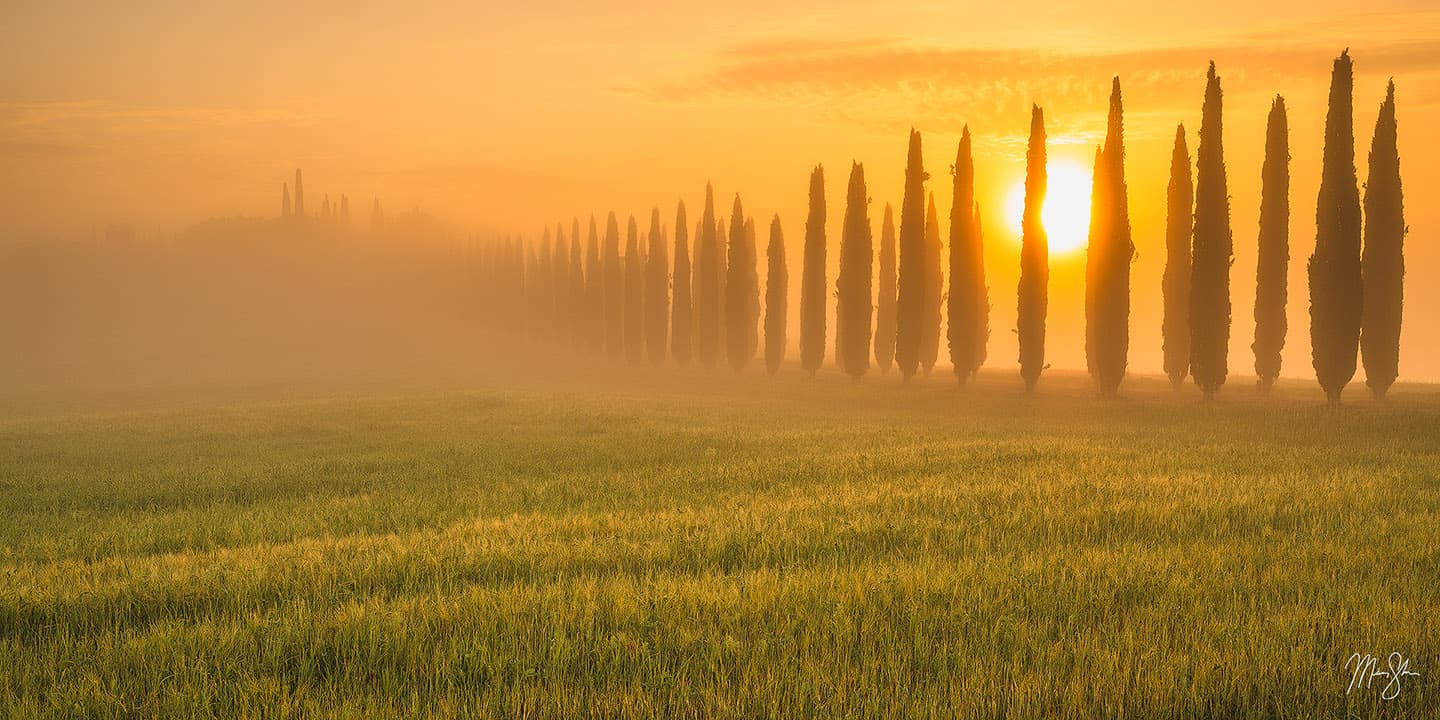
(1367, 668)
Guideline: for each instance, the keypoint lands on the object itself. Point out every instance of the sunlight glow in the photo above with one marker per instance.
(1067, 206)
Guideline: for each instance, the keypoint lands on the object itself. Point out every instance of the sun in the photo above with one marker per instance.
(1066, 214)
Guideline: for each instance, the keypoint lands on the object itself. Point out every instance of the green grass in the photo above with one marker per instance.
(709, 546)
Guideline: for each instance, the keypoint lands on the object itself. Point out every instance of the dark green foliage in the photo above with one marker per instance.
(1334, 269)
(852, 287)
(1274, 248)
(885, 305)
(1179, 222)
(657, 293)
(577, 305)
(1384, 258)
(812, 280)
(1034, 287)
(614, 290)
(968, 299)
(910, 283)
(1212, 250)
(742, 293)
(681, 340)
(777, 288)
(707, 286)
(934, 290)
(1108, 259)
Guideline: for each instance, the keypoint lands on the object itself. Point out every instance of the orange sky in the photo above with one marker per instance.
(505, 116)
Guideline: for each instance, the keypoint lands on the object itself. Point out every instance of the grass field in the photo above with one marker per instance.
(712, 546)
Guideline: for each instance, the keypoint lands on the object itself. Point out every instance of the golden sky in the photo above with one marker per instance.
(505, 116)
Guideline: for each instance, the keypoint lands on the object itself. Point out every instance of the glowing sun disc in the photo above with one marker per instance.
(1066, 213)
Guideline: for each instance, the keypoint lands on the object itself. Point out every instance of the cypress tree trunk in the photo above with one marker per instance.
(910, 285)
(614, 290)
(812, 280)
(634, 295)
(657, 293)
(1335, 276)
(707, 289)
(577, 304)
(1113, 331)
(1034, 288)
(596, 316)
(1210, 259)
(560, 288)
(966, 277)
(741, 294)
(934, 290)
(1274, 249)
(1384, 259)
(852, 287)
(777, 288)
(1175, 286)
(982, 298)
(681, 341)
(885, 309)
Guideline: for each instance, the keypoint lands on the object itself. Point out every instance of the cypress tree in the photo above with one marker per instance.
(777, 289)
(544, 301)
(345, 211)
(657, 293)
(681, 341)
(1383, 265)
(752, 253)
(742, 293)
(707, 289)
(1212, 251)
(284, 200)
(1033, 290)
(529, 289)
(722, 254)
(1113, 292)
(910, 284)
(597, 318)
(1274, 248)
(1179, 222)
(1335, 275)
(577, 304)
(300, 194)
(885, 307)
(812, 280)
(982, 298)
(634, 295)
(852, 287)
(614, 290)
(934, 290)
(560, 288)
(1094, 251)
(966, 274)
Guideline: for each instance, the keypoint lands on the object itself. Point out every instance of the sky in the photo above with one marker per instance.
(507, 117)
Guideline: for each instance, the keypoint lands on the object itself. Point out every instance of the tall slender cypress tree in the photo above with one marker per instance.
(812, 279)
(1094, 252)
(1274, 248)
(284, 200)
(852, 287)
(577, 302)
(966, 274)
(722, 272)
(634, 295)
(300, 194)
(741, 293)
(596, 316)
(1383, 264)
(777, 288)
(1113, 329)
(934, 290)
(560, 287)
(885, 307)
(982, 298)
(1335, 275)
(1175, 286)
(752, 325)
(1034, 289)
(910, 284)
(707, 289)
(1213, 250)
(657, 293)
(614, 290)
(543, 300)
(681, 340)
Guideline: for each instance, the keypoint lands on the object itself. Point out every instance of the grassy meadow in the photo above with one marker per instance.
(678, 544)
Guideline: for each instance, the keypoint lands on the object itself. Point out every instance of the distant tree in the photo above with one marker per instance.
(681, 341)
(1034, 287)
(1175, 286)
(300, 194)
(576, 302)
(1112, 312)
(345, 211)
(325, 209)
(777, 288)
(284, 200)
(934, 289)
(545, 289)
(596, 281)
(657, 293)
(910, 310)
(634, 295)
(560, 287)
(852, 287)
(377, 217)
(707, 285)
(1335, 275)
(812, 281)
(967, 299)
(614, 290)
(1384, 258)
(722, 253)
(1212, 251)
(885, 307)
(1274, 244)
(742, 293)
(530, 291)
(1094, 251)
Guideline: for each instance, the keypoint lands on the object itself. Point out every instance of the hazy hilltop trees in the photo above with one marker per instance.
(1335, 276)
(852, 287)
(1213, 247)
(707, 287)
(657, 293)
(560, 287)
(885, 306)
(576, 284)
(722, 296)
(544, 290)
(934, 290)
(968, 300)
(681, 341)
(1108, 258)
(595, 280)
(812, 280)
(1383, 263)
(614, 290)
(1175, 286)
(910, 283)
(1274, 248)
(777, 288)
(634, 295)
(742, 293)
(1034, 288)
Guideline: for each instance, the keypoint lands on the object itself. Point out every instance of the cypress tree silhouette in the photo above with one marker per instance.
(885, 306)
(596, 315)
(934, 290)
(1212, 251)
(544, 300)
(576, 302)
(1274, 248)
(1094, 252)
(910, 282)
(967, 276)
(300, 194)
(722, 254)
(707, 287)
(1033, 290)
(529, 290)
(614, 290)
(982, 299)
(812, 280)
(742, 293)
(325, 208)
(634, 295)
(681, 341)
(752, 253)
(852, 287)
(1335, 275)
(1384, 258)
(1112, 331)
(284, 200)
(1175, 286)
(657, 293)
(777, 288)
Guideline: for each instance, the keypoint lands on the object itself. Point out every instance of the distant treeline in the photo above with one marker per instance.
(589, 296)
